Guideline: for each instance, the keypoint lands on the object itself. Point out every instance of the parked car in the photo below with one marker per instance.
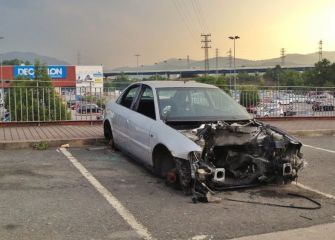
(320, 98)
(271, 112)
(88, 108)
(283, 101)
(251, 109)
(71, 103)
(299, 98)
(197, 136)
(323, 106)
(298, 113)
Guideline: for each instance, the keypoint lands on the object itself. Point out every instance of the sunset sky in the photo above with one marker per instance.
(110, 32)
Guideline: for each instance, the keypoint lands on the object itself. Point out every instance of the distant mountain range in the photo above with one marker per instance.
(31, 57)
(174, 63)
(223, 62)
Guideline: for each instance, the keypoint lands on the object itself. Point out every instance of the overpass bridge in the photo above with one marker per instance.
(188, 72)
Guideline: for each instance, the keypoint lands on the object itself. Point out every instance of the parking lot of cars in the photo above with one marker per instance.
(44, 195)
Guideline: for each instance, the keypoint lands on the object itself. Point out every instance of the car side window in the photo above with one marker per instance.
(146, 105)
(129, 96)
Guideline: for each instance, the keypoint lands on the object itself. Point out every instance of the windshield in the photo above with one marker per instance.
(194, 104)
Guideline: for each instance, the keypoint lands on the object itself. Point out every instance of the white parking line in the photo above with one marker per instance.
(327, 195)
(113, 201)
(321, 149)
(324, 231)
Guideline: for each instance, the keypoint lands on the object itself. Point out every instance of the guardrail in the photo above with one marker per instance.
(50, 104)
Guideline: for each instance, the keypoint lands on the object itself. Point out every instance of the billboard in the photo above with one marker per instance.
(89, 77)
(54, 72)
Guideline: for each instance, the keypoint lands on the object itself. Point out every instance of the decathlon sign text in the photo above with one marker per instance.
(29, 71)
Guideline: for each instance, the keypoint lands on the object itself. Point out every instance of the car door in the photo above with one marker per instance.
(123, 112)
(140, 125)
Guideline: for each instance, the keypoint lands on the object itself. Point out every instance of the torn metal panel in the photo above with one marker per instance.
(238, 154)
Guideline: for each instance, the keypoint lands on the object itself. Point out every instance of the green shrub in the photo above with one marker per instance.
(249, 96)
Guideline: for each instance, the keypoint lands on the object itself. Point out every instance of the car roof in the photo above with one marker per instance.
(172, 84)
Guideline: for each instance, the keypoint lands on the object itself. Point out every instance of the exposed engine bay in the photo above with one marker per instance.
(237, 155)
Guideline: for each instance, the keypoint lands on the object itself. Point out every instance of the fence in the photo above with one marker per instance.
(48, 104)
(286, 101)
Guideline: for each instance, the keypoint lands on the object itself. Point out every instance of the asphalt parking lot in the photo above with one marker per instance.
(43, 195)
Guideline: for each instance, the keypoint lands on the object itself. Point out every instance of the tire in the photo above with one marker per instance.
(108, 134)
(165, 166)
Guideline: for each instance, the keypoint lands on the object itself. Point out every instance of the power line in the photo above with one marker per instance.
(197, 14)
(182, 16)
(202, 15)
(189, 16)
(206, 41)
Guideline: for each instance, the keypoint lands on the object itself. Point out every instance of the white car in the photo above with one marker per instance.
(271, 112)
(284, 101)
(197, 136)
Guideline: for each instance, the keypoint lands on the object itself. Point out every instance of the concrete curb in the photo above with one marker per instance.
(79, 142)
(312, 133)
(74, 142)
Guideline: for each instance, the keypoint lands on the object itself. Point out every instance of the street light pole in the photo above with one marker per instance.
(234, 38)
(156, 70)
(137, 56)
(2, 86)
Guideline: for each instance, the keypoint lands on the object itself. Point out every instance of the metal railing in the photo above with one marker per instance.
(286, 101)
(49, 104)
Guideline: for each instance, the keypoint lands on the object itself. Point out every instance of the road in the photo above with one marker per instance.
(45, 196)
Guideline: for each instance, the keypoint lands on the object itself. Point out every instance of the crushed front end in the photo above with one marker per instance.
(237, 155)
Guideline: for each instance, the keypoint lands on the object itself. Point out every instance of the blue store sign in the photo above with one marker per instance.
(29, 71)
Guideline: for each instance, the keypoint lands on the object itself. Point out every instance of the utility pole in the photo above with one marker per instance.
(217, 61)
(137, 56)
(230, 57)
(234, 38)
(188, 62)
(206, 41)
(320, 50)
(282, 56)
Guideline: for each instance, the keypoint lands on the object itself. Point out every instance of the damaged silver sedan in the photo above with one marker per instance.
(197, 137)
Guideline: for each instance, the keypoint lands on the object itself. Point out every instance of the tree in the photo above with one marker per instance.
(279, 76)
(15, 61)
(219, 81)
(35, 100)
(119, 83)
(273, 74)
(323, 74)
(249, 95)
(246, 78)
(153, 78)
